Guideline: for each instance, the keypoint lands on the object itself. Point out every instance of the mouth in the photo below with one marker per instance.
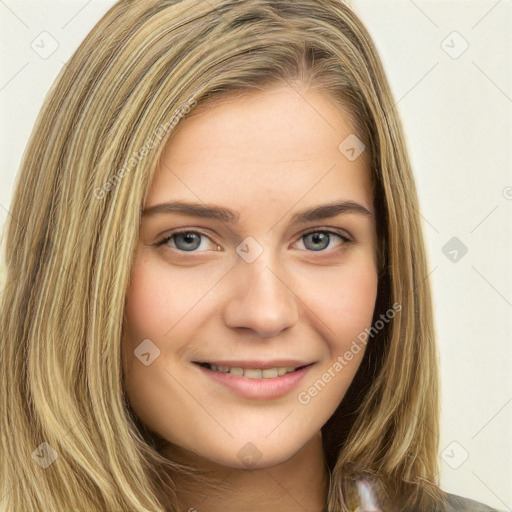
(254, 371)
(256, 380)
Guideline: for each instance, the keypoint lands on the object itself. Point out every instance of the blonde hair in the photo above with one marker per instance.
(73, 229)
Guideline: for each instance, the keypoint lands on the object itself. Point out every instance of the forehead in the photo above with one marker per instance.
(260, 147)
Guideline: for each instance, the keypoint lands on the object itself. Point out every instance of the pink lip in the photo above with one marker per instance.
(258, 389)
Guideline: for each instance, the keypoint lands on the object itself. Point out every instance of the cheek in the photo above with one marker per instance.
(357, 295)
(148, 316)
(347, 303)
(147, 310)
(346, 307)
(159, 297)
(148, 313)
(154, 303)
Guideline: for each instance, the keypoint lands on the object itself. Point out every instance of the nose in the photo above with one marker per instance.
(261, 299)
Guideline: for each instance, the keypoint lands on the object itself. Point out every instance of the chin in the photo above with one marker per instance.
(250, 455)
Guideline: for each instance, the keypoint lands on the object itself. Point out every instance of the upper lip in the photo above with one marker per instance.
(258, 364)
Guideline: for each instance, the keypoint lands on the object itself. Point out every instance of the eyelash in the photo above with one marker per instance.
(164, 240)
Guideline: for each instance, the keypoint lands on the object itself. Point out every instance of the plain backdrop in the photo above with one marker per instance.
(449, 66)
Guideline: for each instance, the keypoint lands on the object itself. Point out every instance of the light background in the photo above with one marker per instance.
(457, 115)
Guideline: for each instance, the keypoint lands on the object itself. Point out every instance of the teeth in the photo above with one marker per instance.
(252, 374)
(269, 373)
(255, 373)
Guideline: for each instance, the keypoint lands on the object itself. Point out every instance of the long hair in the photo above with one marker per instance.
(73, 229)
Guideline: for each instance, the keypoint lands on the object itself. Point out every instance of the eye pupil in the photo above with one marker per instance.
(189, 238)
(318, 238)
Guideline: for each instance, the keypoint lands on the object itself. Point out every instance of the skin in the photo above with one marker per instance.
(266, 155)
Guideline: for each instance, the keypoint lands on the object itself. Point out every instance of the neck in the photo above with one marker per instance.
(297, 484)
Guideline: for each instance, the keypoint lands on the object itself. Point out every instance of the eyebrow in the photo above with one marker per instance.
(324, 211)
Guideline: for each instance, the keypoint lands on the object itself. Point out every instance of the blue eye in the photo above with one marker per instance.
(187, 241)
(191, 241)
(317, 241)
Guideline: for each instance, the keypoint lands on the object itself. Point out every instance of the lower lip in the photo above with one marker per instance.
(258, 389)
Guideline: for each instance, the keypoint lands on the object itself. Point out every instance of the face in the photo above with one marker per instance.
(248, 271)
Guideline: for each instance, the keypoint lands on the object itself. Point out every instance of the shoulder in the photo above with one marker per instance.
(458, 503)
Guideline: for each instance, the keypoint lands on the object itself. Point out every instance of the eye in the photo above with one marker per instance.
(186, 241)
(319, 240)
(191, 241)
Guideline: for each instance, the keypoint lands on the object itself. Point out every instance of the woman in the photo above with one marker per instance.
(216, 294)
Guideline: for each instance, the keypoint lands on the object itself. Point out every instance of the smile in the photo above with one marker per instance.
(256, 383)
(252, 373)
